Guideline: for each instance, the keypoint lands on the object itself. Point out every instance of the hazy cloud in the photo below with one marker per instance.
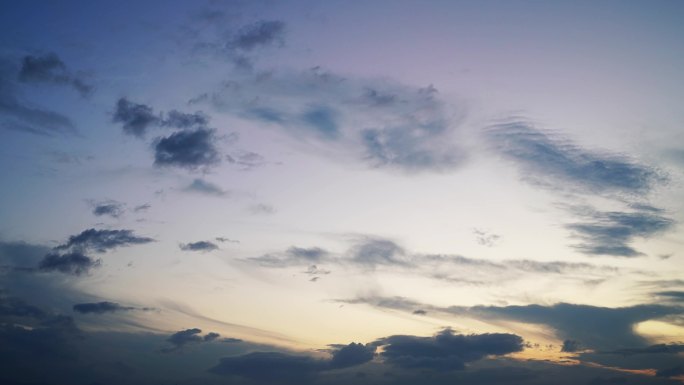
(185, 120)
(258, 34)
(609, 233)
(202, 186)
(49, 68)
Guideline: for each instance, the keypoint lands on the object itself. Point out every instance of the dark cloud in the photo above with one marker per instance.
(204, 187)
(677, 371)
(136, 118)
(203, 246)
(446, 350)
(187, 149)
(20, 115)
(282, 367)
(259, 34)
(550, 160)
(49, 68)
(30, 336)
(183, 338)
(570, 346)
(21, 254)
(109, 208)
(609, 233)
(674, 295)
(71, 257)
(591, 326)
(101, 308)
(103, 240)
(185, 120)
(75, 263)
(420, 312)
(653, 349)
(351, 355)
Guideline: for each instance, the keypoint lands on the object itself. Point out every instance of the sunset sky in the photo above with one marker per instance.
(337, 192)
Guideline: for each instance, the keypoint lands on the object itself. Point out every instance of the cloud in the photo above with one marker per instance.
(282, 367)
(259, 34)
(591, 326)
(609, 233)
(21, 254)
(570, 346)
(136, 118)
(485, 238)
(183, 338)
(49, 68)
(204, 187)
(375, 251)
(351, 355)
(101, 308)
(103, 240)
(105, 307)
(262, 208)
(294, 256)
(671, 294)
(185, 120)
(224, 240)
(413, 131)
(446, 350)
(203, 246)
(110, 208)
(71, 257)
(75, 263)
(246, 160)
(548, 159)
(187, 149)
(20, 115)
(143, 207)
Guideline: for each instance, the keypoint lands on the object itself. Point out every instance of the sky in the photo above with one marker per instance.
(306, 192)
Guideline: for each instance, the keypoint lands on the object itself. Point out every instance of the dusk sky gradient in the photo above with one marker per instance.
(338, 192)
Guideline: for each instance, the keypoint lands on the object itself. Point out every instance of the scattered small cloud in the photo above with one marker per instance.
(204, 187)
(485, 238)
(203, 246)
(262, 208)
(112, 209)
